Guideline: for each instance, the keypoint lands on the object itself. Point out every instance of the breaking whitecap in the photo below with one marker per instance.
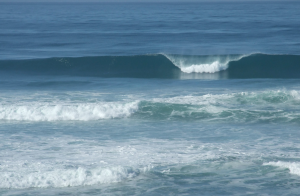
(203, 64)
(66, 111)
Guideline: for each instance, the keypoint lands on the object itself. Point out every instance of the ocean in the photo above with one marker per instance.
(195, 98)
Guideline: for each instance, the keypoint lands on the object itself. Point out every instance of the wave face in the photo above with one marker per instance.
(162, 66)
(144, 66)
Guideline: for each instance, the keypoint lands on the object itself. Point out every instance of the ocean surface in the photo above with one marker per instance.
(150, 98)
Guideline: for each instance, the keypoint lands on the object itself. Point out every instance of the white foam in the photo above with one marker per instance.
(212, 66)
(41, 109)
(240, 107)
(33, 161)
(207, 99)
(66, 111)
(293, 167)
(43, 162)
(41, 178)
(205, 68)
(234, 98)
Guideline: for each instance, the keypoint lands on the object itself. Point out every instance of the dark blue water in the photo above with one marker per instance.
(150, 98)
(52, 30)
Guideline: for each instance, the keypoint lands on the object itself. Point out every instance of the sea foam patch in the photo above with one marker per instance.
(66, 161)
(42, 162)
(260, 106)
(260, 97)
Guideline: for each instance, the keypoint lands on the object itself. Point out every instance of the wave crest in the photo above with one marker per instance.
(203, 64)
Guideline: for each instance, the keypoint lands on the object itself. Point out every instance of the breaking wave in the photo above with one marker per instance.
(264, 106)
(41, 178)
(66, 111)
(293, 167)
(203, 64)
(161, 66)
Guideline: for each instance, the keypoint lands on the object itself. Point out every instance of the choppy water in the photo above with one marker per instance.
(152, 99)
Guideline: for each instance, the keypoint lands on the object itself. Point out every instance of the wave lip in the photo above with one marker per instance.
(66, 111)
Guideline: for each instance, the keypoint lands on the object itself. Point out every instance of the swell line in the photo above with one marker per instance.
(161, 66)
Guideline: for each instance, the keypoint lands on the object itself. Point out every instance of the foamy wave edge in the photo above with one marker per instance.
(293, 167)
(68, 177)
(64, 111)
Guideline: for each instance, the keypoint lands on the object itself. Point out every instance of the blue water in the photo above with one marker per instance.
(150, 98)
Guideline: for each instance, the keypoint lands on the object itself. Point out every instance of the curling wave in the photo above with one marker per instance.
(203, 64)
(161, 66)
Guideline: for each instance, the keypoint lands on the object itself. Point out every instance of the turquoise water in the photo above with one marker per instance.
(99, 99)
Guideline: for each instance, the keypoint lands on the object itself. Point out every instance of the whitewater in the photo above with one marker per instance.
(256, 106)
(147, 99)
(63, 133)
(203, 64)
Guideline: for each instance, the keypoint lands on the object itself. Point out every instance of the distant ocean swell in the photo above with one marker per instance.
(162, 66)
(265, 106)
